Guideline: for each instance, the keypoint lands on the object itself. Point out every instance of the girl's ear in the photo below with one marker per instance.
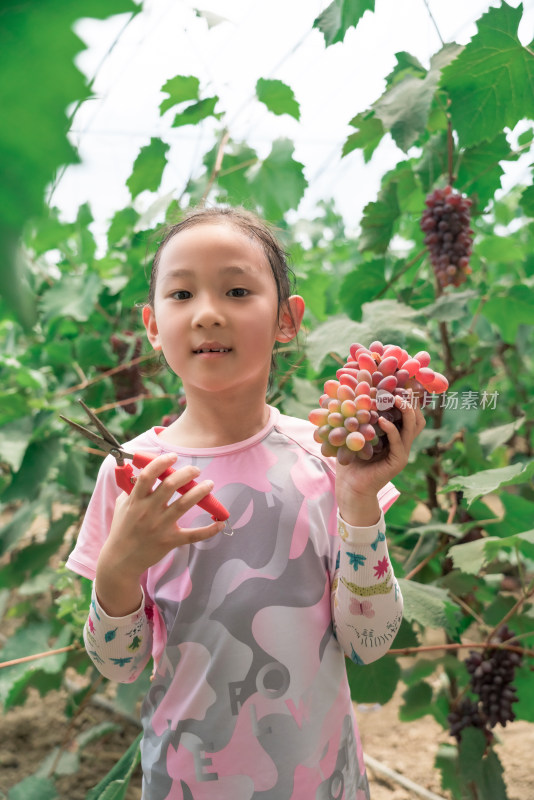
(149, 321)
(290, 318)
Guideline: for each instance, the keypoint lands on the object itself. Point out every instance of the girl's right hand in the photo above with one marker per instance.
(145, 525)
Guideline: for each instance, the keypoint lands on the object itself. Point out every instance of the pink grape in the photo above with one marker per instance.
(346, 379)
(337, 436)
(363, 388)
(367, 362)
(345, 456)
(324, 400)
(364, 401)
(363, 415)
(412, 367)
(377, 347)
(328, 449)
(331, 388)
(388, 365)
(336, 419)
(345, 393)
(348, 408)
(423, 357)
(367, 431)
(318, 416)
(388, 383)
(323, 432)
(365, 375)
(367, 452)
(351, 424)
(355, 441)
(334, 405)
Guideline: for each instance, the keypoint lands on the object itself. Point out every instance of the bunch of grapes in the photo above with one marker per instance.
(492, 674)
(467, 715)
(128, 382)
(449, 238)
(364, 390)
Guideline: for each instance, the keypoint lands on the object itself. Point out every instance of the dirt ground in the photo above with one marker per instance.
(29, 733)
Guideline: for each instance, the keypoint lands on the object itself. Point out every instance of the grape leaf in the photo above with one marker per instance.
(509, 309)
(361, 285)
(375, 682)
(479, 173)
(426, 605)
(73, 296)
(339, 16)
(487, 481)
(417, 702)
(379, 219)
(180, 88)
(34, 144)
(33, 788)
(278, 97)
(368, 136)
(197, 112)
(405, 105)
(279, 183)
(527, 201)
(491, 83)
(148, 167)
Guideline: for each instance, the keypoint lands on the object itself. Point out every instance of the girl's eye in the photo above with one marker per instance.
(238, 292)
(182, 294)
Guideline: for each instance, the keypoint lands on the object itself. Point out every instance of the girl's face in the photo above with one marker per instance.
(215, 314)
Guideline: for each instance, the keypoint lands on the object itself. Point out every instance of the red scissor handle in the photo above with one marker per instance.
(125, 479)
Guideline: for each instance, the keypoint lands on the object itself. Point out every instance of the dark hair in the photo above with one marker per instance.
(249, 223)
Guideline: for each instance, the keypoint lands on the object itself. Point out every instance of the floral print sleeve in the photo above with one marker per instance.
(366, 599)
(119, 647)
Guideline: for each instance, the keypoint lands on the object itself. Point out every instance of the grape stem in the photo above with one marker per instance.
(84, 384)
(217, 166)
(528, 593)
(429, 648)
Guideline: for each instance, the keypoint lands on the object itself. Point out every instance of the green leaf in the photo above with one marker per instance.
(527, 201)
(197, 112)
(417, 702)
(489, 480)
(449, 307)
(15, 529)
(426, 604)
(148, 168)
(180, 88)
(447, 762)
(38, 460)
(375, 682)
(379, 219)
(491, 438)
(368, 136)
(73, 296)
(339, 16)
(524, 708)
(405, 105)
(30, 153)
(28, 640)
(279, 183)
(14, 440)
(114, 785)
(33, 788)
(510, 308)
(491, 83)
(480, 172)
(233, 178)
(362, 285)
(278, 97)
(433, 163)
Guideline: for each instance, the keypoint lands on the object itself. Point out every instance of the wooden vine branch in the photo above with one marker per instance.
(430, 648)
(217, 166)
(84, 384)
(35, 656)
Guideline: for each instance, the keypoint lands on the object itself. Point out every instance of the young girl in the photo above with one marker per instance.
(249, 696)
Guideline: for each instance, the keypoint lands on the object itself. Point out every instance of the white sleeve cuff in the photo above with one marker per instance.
(356, 535)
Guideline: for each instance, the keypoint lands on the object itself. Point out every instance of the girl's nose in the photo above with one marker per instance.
(207, 313)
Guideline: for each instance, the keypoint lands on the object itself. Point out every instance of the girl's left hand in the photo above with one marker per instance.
(363, 480)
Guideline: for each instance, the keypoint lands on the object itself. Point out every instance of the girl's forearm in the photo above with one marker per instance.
(360, 511)
(119, 594)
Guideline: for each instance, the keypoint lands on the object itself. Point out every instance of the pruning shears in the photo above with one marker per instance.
(124, 474)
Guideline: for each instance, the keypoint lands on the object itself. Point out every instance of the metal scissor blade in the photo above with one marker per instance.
(107, 435)
(93, 437)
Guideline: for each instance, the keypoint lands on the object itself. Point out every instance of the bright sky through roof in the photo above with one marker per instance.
(259, 39)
